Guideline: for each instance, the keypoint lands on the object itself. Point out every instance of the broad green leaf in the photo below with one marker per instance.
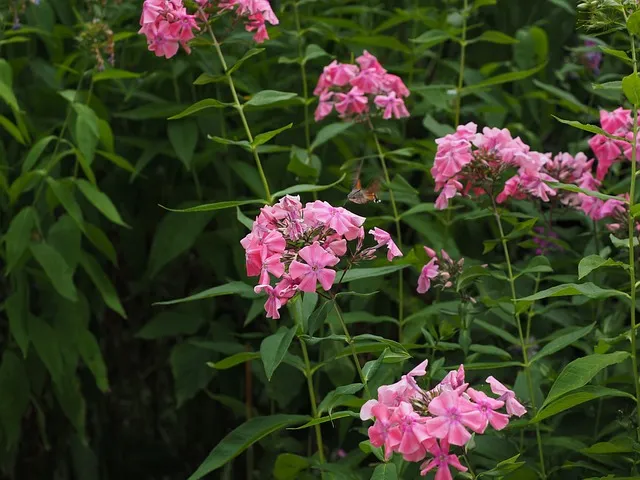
(362, 273)
(35, 152)
(633, 24)
(190, 371)
(313, 51)
(251, 53)
(17, 311)
(231, 288)
(269, 97)
(12, 129)
(386, 471)
(616, 445)
(263, 138)
(328, 418)
(45, 342)
(69, 396)
(201, 105)
(100, 240)
(435, 127)
(571, 100)
(619, 54)
(175, 234)
(18, 235)
(274, 348)
(101, 201)
(587, 289)
(54, 265)
(225, 141)
(152, 110)
(470, 274)
(216, 206)
(431, 38)
(589, 193)
(92, 357)
(503, 468)
(371, 367)
(114, 74)
(117, 160)
(562, 341)
(503, 78)
(584, 394)
(102, 283)
(14, 384)
(183, 136)
(382, 41)
(328, 132)
(306, 188)
(565, 5)
(234, 360)
(494, 36)
(593, 262)
(631, 88)
(579, 372)
(86, 131)
(317, 318)
(205, 79)
(335, 397)
(288, 466)
(242, 438)
(65, 237)
(171, 324)
(6, 94)
(65, 196)
(590, 129)
(490, 350)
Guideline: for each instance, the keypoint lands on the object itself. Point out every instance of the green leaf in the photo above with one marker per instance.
(69, 396)
(209, 207)
(183, 136)
(18, 235)
(288, 466)
(274, 348)
(494, 36)
(54, 265)
(431, 38)
(242, 438)
(17, 310)
(385, 471)
(590, 193)
(225, 141)
(312, 52)
(66, 198)
(593, 262)
(382, 41)
(12, 129)
(100, 240)
(588, 289)
(590, 129)
(503, 78)
(619, 54)
(6, 94)
(45, 342)
(631, 88)
(269, 97)
(251, 53)
(562, 341)
(117, 160)
(190, 371)
(175, 234)
(170, 324)
(328, 418)
(579, 372)
(14, 384)
(86, 131)
(263, 138)
(317, 318)
(65, 237)
(205, 79)
(328, 132)
(201, 105)
(307, 188)
(234, 360)
(114, 74)
(35, 152)
(617, 445)
(335, 397)
(362, 273)
(633, 24)
(92, 357)
(101, 201)
(102, 283)
(231, 288)
(585, 394)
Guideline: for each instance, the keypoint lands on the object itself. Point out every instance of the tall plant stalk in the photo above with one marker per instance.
(312, 398)
(463, 55)
(523, 343)
(303, 74)
(238, 106)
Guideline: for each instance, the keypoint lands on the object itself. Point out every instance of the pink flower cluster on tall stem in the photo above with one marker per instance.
(607, 150)
(422, 425)
(351, 89)
(255, 12)
(300, 247)
(441, 271)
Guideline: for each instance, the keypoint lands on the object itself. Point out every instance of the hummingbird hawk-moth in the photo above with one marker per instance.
(361, 195)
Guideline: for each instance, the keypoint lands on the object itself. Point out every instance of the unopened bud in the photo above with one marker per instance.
(430, 252)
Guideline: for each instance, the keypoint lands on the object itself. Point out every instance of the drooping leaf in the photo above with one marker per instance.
(170, 324)
(593, 262)
(288, 466)
(17, 310)
(231, 288)
(242, 438)
(587, 289)
(562, 341)
(66, 198)
(631, 88)
(263, 138)
(577, 397)
(234, 360)
(101, 201)
(198, 106)
(92, 357)
(362, 273)
(102, 283)
(86, 131)
(183, 136)
(306, 188)
(54, 265)
(18, 235)
(190, 371)
(503, 78)
(35, 152)
(386, 471)
(269, 97)
(45, 342)
(14, 384)
(328, 132)
(274, 348)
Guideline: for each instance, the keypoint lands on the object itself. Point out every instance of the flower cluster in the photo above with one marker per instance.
(167, 24)
(423, 424)
(300, 246)
(592, 59)
(441, 271)
(618, 123)
(351, 89)
(544, 241)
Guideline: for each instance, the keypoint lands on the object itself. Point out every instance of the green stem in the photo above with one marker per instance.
(240, 110)
(523, 344)
(632, 237)
(352, 346)
(312, 398)
(396, 217)
(463, 54)
(303, 74)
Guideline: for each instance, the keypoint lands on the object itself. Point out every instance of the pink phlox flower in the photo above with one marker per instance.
(325, 106)
(392, 105)
(382, 433)
(441, 459)
(341, 220)
(607, 151)
(452, 155)
(508, 396)
(451, 189)
(395, 84)
(335, 244)
(452, 413)
(412, 429)
(428, 273)
(613, 122)
(369, 81)
(488, 406)
(161, 40)
(454, 380)
(314, 270)
(384, 238)
(335, 75)
(353, 102)
(366, 61)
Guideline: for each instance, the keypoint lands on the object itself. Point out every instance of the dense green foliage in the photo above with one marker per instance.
(105, 374)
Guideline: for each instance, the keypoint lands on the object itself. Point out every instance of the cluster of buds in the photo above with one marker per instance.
(97, 38)
(301, 246)
(543, 241)
(422, 425)
(168, 25)
(440, 272)
(353, 88)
